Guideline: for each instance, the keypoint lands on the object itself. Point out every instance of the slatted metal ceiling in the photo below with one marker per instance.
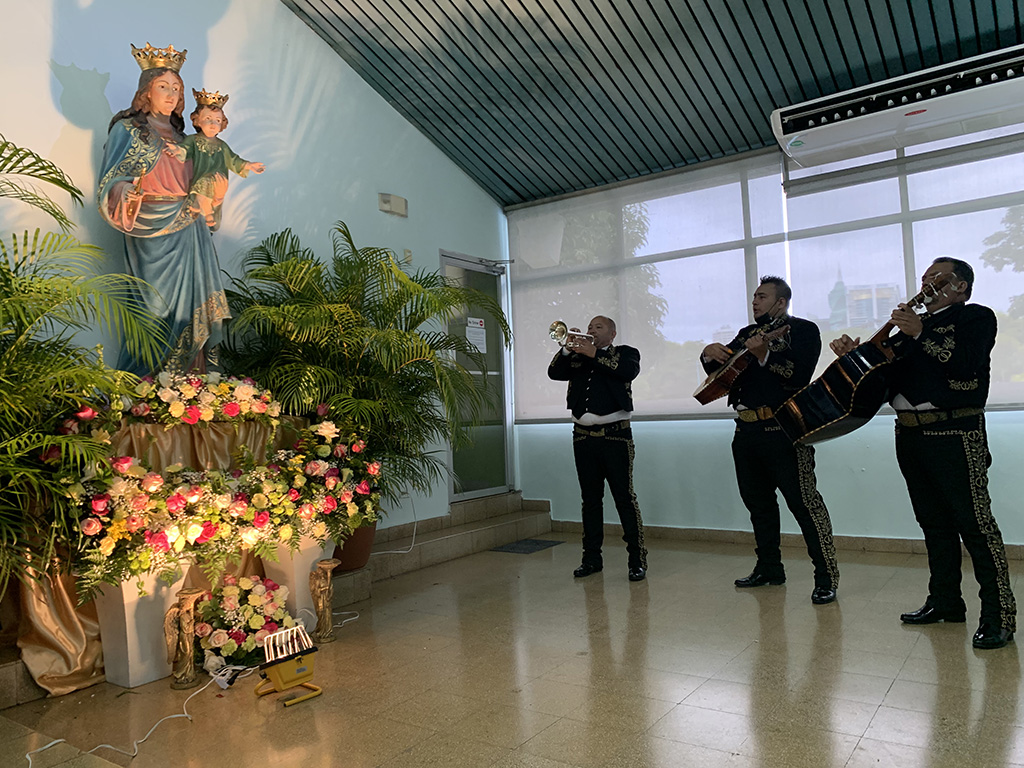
(538, 98)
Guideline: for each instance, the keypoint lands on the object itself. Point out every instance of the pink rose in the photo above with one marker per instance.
(99, 503)
(209, 531)
(306, 511)
(231, 409)
(261, 519)
(330, 504)
(140, 409)
(69, 427)
(237, 635)
(229, 580)
(191, 415)
(152, 482)
(345, 496)
(339, 451)
(194, 382)
(271, 585)
(175, 503)
(363, 488)
(134, 523)
(193, 494)
(271, 627)
(373, 469)
(238, 508)
(203, 629)
(293, 494)
(273, 469)
(250, 381)
(158, 541)
(218, 638)
(122, 463)
(316, 468)
(87, 414)
(229, 603)
(91, 526)
(269, 609)
(140, 502)
(258, 406)
(259, 637)
(358, 445)
(332, 472)
(330, 482)
(322, 409)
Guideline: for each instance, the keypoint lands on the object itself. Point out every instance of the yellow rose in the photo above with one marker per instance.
(256, 622)
(179, 543)
(176, 408)
(319, 530)
(195, 530)
(352, 508)
(206, 413)
(107, 545)
(188, 390)
(231, 591)
(249, 538)
(245, 583)
(285, 534)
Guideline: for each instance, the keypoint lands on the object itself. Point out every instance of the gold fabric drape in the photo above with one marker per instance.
(60, 641)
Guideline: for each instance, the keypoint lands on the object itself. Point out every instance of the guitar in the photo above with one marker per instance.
(720, 382)
(850, 391)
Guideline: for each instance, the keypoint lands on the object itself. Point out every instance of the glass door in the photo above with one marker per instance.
(482, 468)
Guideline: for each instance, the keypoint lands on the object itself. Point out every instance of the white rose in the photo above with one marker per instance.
(167, 395)
(165, 379)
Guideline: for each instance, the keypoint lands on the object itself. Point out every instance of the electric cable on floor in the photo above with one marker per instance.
(225, 676)
(415, 524)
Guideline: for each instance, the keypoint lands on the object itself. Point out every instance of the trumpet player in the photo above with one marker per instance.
(601, 401)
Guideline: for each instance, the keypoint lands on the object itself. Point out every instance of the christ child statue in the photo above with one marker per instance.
(211, 157)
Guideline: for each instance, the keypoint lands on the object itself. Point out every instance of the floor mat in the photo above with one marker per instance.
(526, 546)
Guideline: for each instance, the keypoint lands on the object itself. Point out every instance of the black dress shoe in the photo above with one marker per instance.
(586, 569)
(637, 574)
(991, 636)
(822, 595)
(926, 614)
(759, 580)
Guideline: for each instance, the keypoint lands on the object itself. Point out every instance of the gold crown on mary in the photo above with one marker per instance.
(152, 58)
(205, 98)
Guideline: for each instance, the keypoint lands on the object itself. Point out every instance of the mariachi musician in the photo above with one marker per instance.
(600, 398)
(938, 384)
(766, 460)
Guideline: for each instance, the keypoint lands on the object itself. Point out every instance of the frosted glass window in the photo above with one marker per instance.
(970, 181)
(836, 206)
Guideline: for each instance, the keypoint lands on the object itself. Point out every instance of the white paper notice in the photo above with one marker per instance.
(476, 333)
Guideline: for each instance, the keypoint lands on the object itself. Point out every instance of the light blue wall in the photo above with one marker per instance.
(684, 477)
(329, 142)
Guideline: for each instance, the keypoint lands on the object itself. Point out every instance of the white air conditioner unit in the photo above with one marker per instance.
(971, 95)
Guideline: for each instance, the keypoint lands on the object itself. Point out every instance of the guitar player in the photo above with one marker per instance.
(938, 384)
(766, 461)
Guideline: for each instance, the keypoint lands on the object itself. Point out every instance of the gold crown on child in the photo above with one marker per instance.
(205, 98)
(152, 58)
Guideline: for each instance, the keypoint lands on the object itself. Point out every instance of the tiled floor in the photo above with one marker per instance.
(505, 660)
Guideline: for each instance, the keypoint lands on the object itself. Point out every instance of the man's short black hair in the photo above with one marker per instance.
(782, 289)
(962, 270)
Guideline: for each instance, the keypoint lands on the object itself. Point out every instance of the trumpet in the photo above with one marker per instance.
(559, 331)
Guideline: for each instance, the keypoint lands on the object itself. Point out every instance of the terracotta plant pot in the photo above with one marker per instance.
(354, 552)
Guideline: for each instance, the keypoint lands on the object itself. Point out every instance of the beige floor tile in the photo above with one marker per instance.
(433, 709)
(13, 751)
(651, 752)
(501, 726)
(704, 727)
(446, 751)
(629, 712)
(520, 759)
(798, 746)
(577, 743)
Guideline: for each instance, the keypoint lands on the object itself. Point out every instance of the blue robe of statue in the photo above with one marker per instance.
(167, 245)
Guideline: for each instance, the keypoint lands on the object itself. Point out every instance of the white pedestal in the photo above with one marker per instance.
(132, 630)
(292, 570)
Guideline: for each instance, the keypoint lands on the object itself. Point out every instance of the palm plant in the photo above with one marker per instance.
(368, 340)
(50, 288)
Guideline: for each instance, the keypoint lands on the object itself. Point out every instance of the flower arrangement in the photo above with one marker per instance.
(233, 621)
(133, 520)
(333, 479)
(178, 398)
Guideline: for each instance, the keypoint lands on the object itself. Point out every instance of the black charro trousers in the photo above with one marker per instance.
(766, 460)
(608, 458)
(945, 466)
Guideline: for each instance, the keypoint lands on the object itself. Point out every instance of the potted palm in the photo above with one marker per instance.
(51, 286)
(359, 339)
